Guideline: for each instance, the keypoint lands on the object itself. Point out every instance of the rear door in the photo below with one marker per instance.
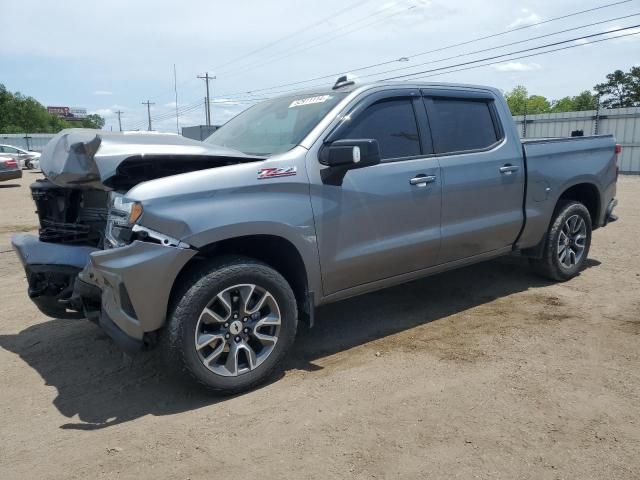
(383, 220)
(483, 173)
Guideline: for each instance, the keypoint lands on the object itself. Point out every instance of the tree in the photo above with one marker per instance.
(519, 101)
(585, 101)
(617, 91)
(634, 88)
(516, 99)
(25, 114)
(93, 121)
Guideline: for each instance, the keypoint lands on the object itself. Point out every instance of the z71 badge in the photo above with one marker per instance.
(276, 172)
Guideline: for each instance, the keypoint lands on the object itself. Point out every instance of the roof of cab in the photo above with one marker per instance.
(387, 84)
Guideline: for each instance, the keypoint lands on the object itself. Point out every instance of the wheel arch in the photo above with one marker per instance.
(586, 193)
(276, 251)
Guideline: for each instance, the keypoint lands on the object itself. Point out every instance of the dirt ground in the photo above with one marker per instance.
(485, 372)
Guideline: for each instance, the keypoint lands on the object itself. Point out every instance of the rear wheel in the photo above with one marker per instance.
(566, 243)
(232, 325)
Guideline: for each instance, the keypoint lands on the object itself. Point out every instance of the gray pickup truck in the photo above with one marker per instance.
(212, 251)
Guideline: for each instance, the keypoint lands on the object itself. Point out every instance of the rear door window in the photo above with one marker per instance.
(460, 125)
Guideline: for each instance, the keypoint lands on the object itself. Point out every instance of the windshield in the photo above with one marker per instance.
(274, 126)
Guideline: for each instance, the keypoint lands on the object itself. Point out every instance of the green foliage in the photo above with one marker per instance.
(585, 101)
(520, 101)
(20, 114)
(622, 89)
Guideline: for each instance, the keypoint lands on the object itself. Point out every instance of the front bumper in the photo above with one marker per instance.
(136, 282)
(125, 290)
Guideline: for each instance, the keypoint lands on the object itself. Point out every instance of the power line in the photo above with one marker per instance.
(503, 45)
(286, 37)
(290, 35)
(446, 47)
(518, 51)
(530, 55)
(324, 39)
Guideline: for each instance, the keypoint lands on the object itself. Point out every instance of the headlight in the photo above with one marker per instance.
(123, 214)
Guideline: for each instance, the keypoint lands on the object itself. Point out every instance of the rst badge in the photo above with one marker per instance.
(276, 172)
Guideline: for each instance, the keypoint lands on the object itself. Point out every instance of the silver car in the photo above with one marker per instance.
(25, 159)
(9, 169)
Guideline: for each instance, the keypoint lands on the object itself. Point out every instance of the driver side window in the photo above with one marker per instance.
(393, 124)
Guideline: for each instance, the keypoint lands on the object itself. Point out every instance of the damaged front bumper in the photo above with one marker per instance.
(126, 289)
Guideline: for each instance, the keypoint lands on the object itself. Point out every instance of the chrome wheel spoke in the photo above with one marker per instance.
(214, 354)
(206, 339)
(209, 316)
(246, 292)
(266, 297)
(563, 255)
(231, 365)
(578, 225)
(225, 300)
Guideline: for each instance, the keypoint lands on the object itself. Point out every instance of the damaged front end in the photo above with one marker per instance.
(93, 258)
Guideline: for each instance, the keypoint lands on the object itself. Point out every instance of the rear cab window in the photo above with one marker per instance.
(461, 124)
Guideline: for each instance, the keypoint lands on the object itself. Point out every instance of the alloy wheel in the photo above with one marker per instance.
(572, 241)
(237, 330)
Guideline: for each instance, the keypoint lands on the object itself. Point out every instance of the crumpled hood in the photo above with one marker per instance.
(87, 158)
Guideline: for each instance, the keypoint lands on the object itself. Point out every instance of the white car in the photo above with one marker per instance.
(29, 160)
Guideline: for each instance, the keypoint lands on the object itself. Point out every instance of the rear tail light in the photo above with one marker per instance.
(10, 163)
(618, 149)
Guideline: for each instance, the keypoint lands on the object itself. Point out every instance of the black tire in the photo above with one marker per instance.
(195, 293)
(549, 265)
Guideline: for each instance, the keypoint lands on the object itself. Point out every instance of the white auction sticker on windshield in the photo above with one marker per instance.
(309, 101)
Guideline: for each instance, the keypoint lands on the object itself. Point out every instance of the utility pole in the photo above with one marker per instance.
(206, 79)
(206, 114)
(148, 104)
(119, 112)
(175, 89)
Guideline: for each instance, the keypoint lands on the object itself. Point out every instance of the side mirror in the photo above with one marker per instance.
(350, 153)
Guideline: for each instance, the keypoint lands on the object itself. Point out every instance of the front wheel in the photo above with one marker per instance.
(566, 243)
(233, 322)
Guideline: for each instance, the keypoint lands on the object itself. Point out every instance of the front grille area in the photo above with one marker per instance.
(70, 215)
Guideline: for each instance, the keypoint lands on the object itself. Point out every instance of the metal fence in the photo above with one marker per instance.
(26, 141)
(624, 123)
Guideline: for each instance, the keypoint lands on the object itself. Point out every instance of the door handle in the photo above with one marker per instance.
(507, 169)
(422, 180)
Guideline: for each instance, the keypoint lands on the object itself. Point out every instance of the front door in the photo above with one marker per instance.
(383, 220)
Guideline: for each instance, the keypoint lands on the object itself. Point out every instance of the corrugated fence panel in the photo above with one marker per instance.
(623, 123)
(29, 141)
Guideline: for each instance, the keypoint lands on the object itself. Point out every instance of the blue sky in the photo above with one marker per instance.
(114, 54)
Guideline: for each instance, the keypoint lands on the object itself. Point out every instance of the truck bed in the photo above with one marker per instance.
(555, 165)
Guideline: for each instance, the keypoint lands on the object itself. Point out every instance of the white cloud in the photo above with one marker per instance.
(517, 67)
(102, 92)
(108, 111)
(527, 18)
